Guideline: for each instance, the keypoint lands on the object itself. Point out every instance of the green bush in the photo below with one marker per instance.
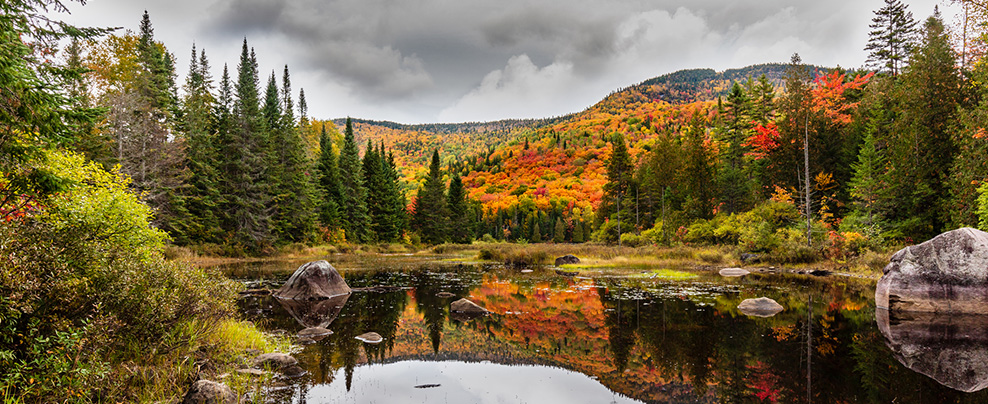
(86, 281)
(631, 240)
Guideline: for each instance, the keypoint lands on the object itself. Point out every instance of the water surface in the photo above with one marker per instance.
(600, 339)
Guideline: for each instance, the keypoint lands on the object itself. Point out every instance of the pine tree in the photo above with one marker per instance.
(866, 185)
(922, 150)
(246, 187)
(329, 183)
(376, 190)
(395, 220)
(353, 206)
(459, 212)
(578, 231)
(890, 39)
(559, 234)
(619, 182)
(293, 207)
(431, 211)
(202, 153)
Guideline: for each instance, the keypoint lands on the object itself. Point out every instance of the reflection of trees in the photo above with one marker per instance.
(427, 286)
(621, 322)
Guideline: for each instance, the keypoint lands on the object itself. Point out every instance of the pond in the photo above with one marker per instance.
(594, 338)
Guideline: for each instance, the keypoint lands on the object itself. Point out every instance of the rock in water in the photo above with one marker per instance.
(370, 337)
(760, 307)
(209, 392)
(315, 313)
(466, 306)
(275, 360)
(733, 272)
(947, 274)
(567, 259)
(315, 280)
(315, 333)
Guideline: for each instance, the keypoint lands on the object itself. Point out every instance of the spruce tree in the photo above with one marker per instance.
(353, 206)
(294, 200)
(247, 188)
(890, 39)
(202, 153)
(376, 190)
(431, 211)
(393, 218)
(559, 234)
(329, 183)
(619, 182)
(459, 212)
(866, 185)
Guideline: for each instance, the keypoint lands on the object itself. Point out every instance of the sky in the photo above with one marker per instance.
(427, 61)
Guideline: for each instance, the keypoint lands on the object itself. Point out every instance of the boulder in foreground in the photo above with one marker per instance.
(315, 280)
(760, 307)
(947, 274)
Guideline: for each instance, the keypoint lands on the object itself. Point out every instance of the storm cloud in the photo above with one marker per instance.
(431, 60)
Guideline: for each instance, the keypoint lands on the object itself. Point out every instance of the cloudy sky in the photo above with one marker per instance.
(419, 61)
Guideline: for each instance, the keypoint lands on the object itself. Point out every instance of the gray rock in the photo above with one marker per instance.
(315, 280)
(760, 307)
(733, 272)
(251, 372)
(209, 392)
(274, 360)
(315, 333)
(370, 337)
(947, 274)
(567, 259)
(466, 306)
(949, 348)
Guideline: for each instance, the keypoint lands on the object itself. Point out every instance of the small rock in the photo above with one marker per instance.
(274, 360)
(445, 294)
(526, 271)
(293, 371)
(760, 307)
(750, 258)
(305, 341)
(315, 333)
(209, 392)
(466, 306)
(255, 292)
(251, 372)
(370, 337)
(567, 273)
(567, 259)
(820, 272)
(427, 386)
(733, 272)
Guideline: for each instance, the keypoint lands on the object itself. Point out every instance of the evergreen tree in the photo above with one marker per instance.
(459, 212)
(698, 172)
(353, 206)
(376, 190)
(536, 230)
(922, 150)
(202, 153)
(246, 187)
(619, 182)
(891, 36)
(329, 183)
(866, 185)
(394, 217)
(559, 233)
(294, 206)
(733, 181)
(431, 211)
(578, 231)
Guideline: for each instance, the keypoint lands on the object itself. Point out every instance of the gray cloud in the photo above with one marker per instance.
(419, 61)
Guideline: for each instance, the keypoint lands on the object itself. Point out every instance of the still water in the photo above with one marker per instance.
(593, 338)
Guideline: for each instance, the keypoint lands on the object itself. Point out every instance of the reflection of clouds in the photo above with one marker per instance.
(462, 382)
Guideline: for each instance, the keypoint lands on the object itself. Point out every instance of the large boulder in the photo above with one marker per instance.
(567, 259)
(949, 348)
(315, 280)
(947, 274)
(209, 392)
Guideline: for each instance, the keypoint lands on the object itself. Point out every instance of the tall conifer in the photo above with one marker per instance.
(353, 206)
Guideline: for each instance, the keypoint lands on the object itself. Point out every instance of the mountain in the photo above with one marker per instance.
(564, 161)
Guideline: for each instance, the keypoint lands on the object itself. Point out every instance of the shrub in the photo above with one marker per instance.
(631, 240)
(86, 278)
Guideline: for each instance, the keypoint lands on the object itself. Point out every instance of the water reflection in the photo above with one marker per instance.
(314, 313)
(653, 342)
(952, 349)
